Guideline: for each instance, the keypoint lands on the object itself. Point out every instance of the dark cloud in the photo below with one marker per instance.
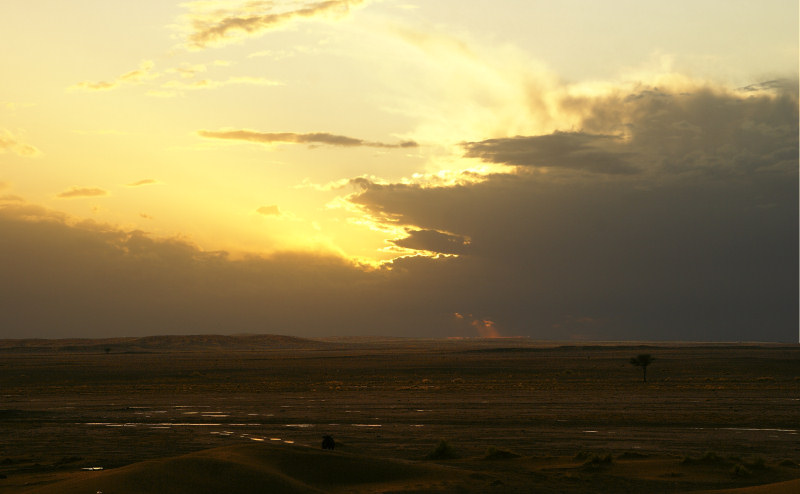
(785, 85)
(670, 135)
(312, 138)
(434, 241)
(63, 280)
(700, 244)
(580, 151)
(77, 192)
(704, 132)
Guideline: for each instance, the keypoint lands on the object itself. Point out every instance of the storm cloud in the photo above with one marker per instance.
(690, 231)
(665, 216)
(434, 241)
(90, 279)
(593, 153)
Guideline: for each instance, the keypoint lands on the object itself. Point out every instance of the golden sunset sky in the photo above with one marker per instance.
(563, 170)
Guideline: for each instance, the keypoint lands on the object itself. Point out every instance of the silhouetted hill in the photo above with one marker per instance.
(166, 343)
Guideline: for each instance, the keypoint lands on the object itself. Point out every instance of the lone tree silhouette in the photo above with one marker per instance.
(643, 361)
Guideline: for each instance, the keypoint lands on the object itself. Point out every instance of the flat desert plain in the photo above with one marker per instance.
(246, 414)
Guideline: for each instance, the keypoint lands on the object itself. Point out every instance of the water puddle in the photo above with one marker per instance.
(746, 429)
(161, 424)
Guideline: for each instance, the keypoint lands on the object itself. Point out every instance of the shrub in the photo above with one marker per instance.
(707, 458)
(493, 453)
(598, 461)
(443, 451)
(630, 455)
(740, 470)
(757, 463)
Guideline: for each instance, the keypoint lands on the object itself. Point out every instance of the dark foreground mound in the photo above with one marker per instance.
(251, 468)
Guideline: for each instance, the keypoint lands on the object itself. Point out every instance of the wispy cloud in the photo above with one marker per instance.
(13, 106)
(211, 84)
(187, 71)
(213, 26)
(139, 183)
(11, 143)
(269, 210)
(321, 138)
(78, 192)
(100, 132)
(143, 73)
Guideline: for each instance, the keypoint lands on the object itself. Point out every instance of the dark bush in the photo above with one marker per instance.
(443, 451)
(493, 453)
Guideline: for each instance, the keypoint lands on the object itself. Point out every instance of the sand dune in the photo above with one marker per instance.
(787, 487)
(252, 468)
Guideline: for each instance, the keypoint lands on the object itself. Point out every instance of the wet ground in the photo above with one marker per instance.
(395, 399)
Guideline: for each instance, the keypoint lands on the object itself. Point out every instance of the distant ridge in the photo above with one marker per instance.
(165, 343)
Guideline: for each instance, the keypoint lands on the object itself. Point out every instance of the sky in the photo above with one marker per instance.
(579, 170)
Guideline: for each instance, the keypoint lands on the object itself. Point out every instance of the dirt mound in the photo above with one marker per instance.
(249, 468)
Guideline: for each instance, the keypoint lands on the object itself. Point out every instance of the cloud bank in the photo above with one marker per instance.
(668, 215)
(95, 279)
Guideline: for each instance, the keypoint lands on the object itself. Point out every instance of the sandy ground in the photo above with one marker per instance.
(181, 415)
